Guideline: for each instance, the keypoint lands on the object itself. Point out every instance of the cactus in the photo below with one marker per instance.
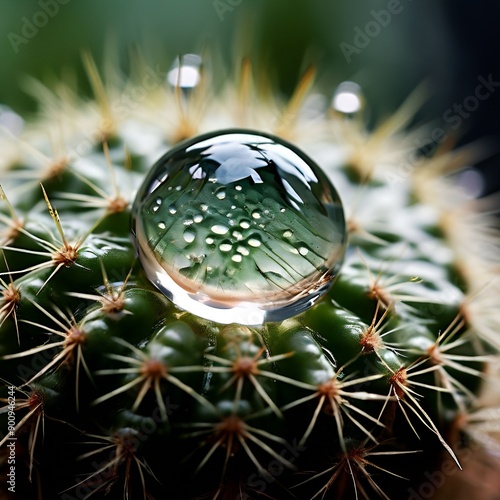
(224, 297)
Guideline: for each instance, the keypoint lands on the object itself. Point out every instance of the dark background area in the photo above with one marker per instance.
(447, 43)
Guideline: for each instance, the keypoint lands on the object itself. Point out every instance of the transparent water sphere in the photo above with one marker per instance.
(240, 227)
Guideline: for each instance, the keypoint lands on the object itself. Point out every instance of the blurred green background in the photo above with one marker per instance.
(449, 43)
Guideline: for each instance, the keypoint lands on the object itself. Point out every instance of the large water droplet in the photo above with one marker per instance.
(252, 275)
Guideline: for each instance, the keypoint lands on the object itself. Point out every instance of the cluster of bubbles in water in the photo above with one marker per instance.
(239, 226)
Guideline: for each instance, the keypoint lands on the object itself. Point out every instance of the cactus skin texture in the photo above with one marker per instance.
(121, 394)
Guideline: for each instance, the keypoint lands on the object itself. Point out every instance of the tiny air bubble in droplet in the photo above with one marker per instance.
(256, 214)
(254, 242)
(237, 258)
(225, 247)
(209, 241)
(219, 229)
(198, 218)
(189, 236)
(238, 187)
(245, 224)
(243, 250)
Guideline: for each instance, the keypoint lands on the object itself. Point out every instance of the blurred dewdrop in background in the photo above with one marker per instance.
(185, 71)
(10, 120)
(347, 98)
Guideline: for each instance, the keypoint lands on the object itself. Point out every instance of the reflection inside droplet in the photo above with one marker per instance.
(265, 207)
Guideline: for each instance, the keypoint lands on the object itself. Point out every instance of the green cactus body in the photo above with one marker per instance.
(281, 367)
